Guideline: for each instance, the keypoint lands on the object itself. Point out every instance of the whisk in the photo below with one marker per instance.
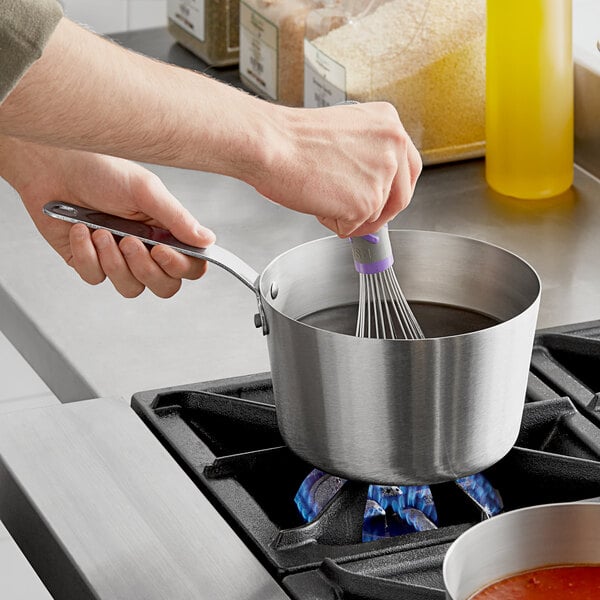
(383, 311)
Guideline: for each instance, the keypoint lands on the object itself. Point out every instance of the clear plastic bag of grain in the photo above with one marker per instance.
(271, 48)
(426, 57)
(209, 29)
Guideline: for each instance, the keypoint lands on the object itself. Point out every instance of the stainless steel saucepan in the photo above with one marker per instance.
(387, 411)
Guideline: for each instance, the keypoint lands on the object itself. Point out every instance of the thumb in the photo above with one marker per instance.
(187, 229)
(172, 215)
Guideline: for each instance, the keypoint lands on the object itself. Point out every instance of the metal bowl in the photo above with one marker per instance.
(522, 540)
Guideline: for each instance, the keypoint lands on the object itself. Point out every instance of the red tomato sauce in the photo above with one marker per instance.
(580, 582)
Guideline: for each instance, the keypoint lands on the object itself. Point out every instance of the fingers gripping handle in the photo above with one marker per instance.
(153, 236)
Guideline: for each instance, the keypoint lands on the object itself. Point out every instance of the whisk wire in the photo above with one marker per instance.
(384, 284)
(379, 300)
(383, 310)
(360, 321)
(413, 329)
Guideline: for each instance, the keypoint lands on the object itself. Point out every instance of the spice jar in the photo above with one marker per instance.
(426, 57)
(271, 48)
(208, 28)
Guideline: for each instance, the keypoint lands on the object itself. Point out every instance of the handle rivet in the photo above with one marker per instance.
(258, 321)
(274, 290)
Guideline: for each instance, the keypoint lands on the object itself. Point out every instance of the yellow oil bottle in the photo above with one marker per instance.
(529, 97)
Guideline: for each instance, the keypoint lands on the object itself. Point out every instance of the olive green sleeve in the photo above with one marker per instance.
(25, 27)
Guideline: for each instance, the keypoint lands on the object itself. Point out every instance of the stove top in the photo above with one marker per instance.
(224, 434)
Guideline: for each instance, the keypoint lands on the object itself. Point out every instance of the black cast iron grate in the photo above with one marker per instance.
(224, 433)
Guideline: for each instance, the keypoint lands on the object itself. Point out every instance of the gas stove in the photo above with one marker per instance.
(224, 434)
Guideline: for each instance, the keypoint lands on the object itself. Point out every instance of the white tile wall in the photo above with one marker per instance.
(113, 16)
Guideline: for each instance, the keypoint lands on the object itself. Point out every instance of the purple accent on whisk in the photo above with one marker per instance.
(371, 238)
(374, 267)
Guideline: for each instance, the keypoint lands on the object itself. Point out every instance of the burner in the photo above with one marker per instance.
(389, 510)
(341, 539)
(393, 510)
(403, 497)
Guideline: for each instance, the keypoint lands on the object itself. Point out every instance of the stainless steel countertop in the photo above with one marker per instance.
(19, 580)
(86, 342)
(102, 511)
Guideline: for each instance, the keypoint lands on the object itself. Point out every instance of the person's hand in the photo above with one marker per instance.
(116, 186)
(352, 166)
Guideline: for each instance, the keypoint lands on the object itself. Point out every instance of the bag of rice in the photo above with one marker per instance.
(425, 57)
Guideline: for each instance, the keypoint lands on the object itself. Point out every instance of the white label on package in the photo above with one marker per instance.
(324, 78)
(188, 14)
(258, 51)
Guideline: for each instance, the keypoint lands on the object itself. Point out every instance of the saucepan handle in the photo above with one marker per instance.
(154, 236)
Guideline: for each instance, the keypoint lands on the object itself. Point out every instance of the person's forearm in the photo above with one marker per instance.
(22, 163)
(89, 93)
(354, 167)
(14, 154)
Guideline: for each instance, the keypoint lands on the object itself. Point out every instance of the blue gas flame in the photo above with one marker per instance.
(481, 491)
(387, 496)
(392, 510)
(398, 497)
(398, 509)
(380, 524)
(417, 519)
(373, 510)
(315, 492)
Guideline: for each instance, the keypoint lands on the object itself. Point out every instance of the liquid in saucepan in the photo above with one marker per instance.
(436, 320)
(579, 582)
